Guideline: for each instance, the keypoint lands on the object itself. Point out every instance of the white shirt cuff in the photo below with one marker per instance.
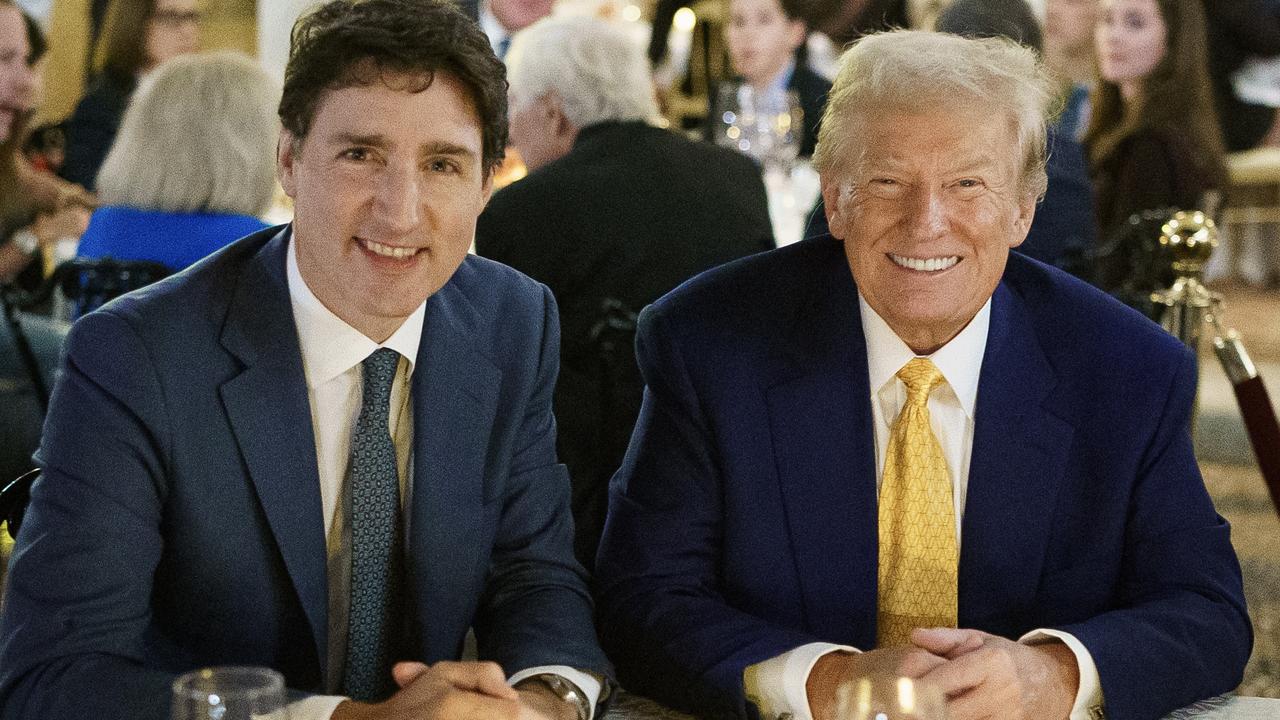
(781, 680)
(316, 707)
(1089, 696)
(586, 682)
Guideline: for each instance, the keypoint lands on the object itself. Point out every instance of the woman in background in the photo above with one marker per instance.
(137, 36)
(36, 209)
(1068, 51)
(1153, 138)
(194, 165)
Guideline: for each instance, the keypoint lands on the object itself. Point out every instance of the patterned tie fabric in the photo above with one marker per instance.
(919, 559)
(375, 537)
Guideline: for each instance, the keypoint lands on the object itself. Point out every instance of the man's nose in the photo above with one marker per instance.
(928, 213)
(399, 200)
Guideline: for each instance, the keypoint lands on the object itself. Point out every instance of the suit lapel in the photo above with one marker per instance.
(270, 415)
(1019, 454)
(820, 419)
(455, 391)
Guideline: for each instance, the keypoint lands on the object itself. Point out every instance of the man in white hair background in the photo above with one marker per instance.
(614, 213)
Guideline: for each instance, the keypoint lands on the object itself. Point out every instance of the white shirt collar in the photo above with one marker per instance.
(960, 360)
(331, 347)
(491, 27)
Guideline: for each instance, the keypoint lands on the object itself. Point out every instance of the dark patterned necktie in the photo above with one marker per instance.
(376, 561)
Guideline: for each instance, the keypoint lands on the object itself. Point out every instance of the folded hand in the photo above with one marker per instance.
(986, 676)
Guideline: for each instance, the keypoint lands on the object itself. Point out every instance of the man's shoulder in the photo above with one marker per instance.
(493, 298)
(1074, 318)
(187, 300)
(762, 289)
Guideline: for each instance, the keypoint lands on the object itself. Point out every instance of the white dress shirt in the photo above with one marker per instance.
(332, 357)
(781, 680)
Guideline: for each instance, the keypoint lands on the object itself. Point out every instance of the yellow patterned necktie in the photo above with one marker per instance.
(919, 559)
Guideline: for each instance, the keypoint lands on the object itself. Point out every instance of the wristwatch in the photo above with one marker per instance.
(566, 691)
(26, 241)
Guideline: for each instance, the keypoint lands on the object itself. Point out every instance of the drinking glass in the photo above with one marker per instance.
(885, 697)
(230, 693)
(767, 125)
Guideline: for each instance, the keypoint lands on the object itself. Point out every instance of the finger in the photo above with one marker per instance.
(471, 705)
(918, 663)
(948, 642)
(960, 675)
(406, 672)
(980, 704)
(482, 677)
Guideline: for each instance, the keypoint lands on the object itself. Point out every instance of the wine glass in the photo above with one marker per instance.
(765, 125)
(884, 697)
(229, 693)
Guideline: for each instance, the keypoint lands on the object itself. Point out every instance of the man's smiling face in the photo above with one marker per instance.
(387, 185)
(928, 213)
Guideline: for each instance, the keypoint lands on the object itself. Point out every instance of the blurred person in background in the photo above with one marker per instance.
(613, 210)
(137, 36)
(502, 19)
(1238, 30)
(1064, 227)
(36, 209)
(1153, 138)
(764, 38)
(192, 168)
(1068, 51)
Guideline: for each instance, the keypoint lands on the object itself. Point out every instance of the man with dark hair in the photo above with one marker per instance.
(328, 449)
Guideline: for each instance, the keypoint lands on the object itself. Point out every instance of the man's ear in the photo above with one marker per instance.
(1022, 223)
(287, 148)
(831, 206)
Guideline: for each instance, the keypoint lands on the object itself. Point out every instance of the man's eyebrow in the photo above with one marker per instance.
(350, 138)
(441, 147)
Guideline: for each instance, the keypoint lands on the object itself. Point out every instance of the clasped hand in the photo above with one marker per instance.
(981, 675)
(458, 691)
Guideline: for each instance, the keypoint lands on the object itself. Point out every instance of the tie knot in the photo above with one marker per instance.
(379, 371)
(920, 376)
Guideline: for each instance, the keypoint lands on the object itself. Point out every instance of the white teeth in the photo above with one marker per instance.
(925, 264)
(390, 251)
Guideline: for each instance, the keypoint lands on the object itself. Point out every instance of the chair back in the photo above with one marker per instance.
(89, 283)
(13, 501)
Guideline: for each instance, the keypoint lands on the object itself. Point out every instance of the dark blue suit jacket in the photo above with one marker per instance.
(743, 521)
(178, 521)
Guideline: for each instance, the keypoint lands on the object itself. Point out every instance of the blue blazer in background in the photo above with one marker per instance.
(178, 522)
(743, 522)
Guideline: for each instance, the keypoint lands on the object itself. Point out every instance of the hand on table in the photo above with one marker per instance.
(836, 668)
(986, 676)
(446, 691)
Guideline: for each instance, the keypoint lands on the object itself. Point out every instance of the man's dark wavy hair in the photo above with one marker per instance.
(349, 43)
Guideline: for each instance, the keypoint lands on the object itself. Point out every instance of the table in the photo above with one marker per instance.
(626, 706)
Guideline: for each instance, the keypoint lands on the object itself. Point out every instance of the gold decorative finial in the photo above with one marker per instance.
(1190, 237)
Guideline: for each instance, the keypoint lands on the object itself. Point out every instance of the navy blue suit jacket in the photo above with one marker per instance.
(178, 521)
(742, 523)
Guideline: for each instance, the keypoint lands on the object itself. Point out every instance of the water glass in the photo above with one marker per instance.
(230, 693)
(885, 697)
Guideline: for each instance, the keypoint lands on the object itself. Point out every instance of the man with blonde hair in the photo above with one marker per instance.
(902, 450)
